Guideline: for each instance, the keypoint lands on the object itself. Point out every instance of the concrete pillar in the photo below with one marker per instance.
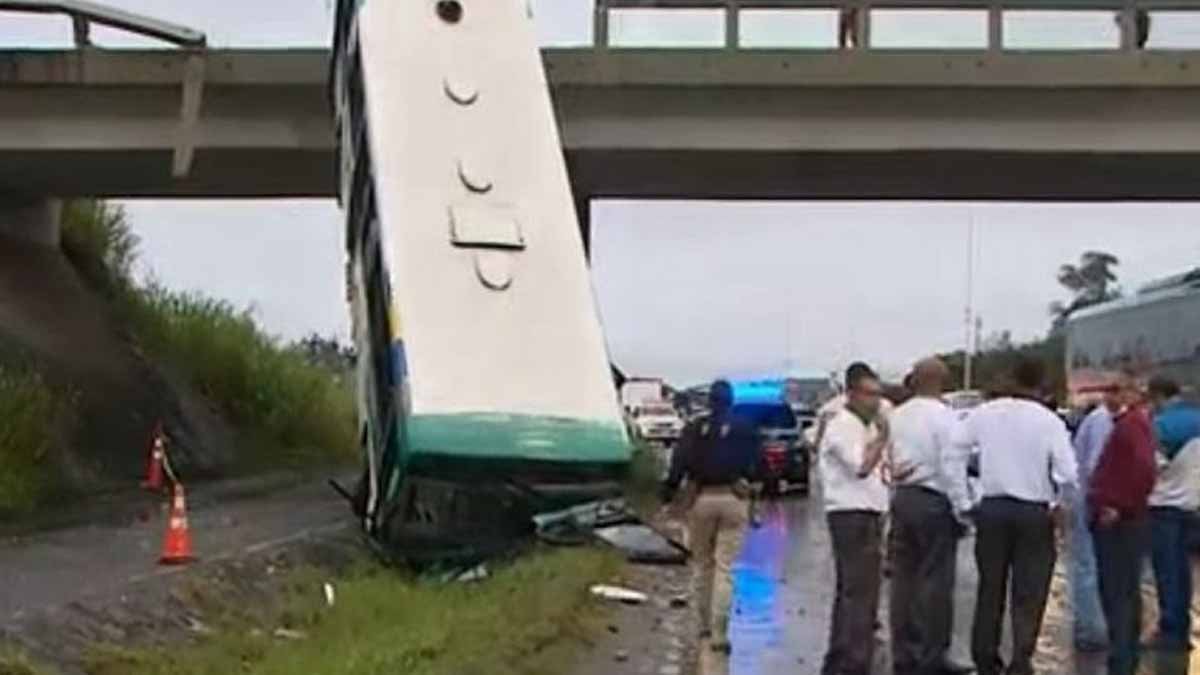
(33, 219)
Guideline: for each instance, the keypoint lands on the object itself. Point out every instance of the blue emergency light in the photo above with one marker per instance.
(758, 391)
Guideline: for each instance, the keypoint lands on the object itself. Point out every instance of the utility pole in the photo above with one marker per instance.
(968, 343)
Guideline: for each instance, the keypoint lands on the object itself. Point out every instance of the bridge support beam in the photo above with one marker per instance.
(33, 219)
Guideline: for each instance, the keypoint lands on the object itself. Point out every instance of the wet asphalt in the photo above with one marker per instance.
(784, 583)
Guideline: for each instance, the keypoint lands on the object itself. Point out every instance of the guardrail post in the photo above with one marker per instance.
(1127, 22)
(864, 25)
(600, 25)
(732, 28)
(995, 28)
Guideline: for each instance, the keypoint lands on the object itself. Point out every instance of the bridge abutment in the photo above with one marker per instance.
(36, 220)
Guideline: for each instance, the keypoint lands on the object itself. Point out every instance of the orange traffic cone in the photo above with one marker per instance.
(154, 462)
(177, 547)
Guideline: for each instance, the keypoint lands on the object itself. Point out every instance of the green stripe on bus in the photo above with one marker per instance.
(531, 437)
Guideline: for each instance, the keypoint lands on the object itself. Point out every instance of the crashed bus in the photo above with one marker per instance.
(485, 393)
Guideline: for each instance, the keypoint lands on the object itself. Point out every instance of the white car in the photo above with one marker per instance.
(658, 422)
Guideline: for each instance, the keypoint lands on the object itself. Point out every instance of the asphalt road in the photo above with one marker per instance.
(784, 586)
(54, 568)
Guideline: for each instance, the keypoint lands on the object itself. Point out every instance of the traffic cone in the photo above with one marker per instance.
(177, 547)
(154, 462)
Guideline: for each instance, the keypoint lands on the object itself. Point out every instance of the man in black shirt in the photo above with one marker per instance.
(717, 455)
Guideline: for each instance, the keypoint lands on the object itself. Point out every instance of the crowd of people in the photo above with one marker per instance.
(895, 486)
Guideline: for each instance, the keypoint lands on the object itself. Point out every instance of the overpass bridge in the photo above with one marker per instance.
(720, 123)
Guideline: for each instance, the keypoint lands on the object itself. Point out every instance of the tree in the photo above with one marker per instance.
(1091, 281)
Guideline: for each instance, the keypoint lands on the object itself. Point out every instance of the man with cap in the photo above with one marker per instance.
(718, 455)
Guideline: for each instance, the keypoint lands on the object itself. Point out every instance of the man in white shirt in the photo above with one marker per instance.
(1026, 466)
(835, 405)
(855, 498)
(930, 489)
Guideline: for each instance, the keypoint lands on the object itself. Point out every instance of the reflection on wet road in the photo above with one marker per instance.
(784, 593)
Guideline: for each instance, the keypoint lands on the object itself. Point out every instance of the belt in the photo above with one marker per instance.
(922, 488)
(1015, 500)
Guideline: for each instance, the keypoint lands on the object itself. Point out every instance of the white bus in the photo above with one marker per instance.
(485, 390)
(1156, 330)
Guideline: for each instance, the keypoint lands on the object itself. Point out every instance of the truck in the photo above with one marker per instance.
(638, 391)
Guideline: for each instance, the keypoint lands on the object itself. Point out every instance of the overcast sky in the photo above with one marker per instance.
(691, 290)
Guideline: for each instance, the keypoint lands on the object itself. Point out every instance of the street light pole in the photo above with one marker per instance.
(968, 345)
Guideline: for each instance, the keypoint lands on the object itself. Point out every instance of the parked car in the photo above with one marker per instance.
(785, 454)
(656, 422)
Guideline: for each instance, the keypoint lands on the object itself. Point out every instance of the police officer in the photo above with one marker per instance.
(717, 457)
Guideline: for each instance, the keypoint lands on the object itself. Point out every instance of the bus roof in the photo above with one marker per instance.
(1187, 284)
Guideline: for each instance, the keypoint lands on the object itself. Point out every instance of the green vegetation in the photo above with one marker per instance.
(14, 662)
(528, 619)
(269, 389)
(291, 409)
(31, 410)
(993, 367)
(644, 478)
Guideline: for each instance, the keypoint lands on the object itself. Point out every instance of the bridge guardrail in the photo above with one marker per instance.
(1127, 12)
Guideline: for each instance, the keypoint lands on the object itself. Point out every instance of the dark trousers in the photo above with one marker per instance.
(857, 557)
(1120, 553)
(924, 544)
(1014, 542)
(1172, 572)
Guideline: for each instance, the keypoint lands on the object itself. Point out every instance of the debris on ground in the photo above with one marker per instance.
(619, 594)
(289, 634)
(613, 523)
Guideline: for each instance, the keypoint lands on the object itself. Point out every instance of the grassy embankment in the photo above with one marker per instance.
(291, 409)
(288, 411)
(31, 410)
(530, 618)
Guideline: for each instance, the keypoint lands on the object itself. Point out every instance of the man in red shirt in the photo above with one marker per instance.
(1118, 496)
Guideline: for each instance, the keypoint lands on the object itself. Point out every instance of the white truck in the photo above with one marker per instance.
(656, 421)
(638, 391)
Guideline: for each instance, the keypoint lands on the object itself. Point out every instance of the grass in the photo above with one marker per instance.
(31, 410)
(290, 409)
(288, 404)
(644, 478)
(14, 662)
(527, 619)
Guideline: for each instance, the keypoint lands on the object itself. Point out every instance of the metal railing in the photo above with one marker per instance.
(1127, 12)
(83, 14)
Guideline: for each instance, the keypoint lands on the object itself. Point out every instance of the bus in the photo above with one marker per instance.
(485, 393)
(1155, 331)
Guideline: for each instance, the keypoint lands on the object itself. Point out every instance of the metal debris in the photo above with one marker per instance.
(619, 594)
(289, 634)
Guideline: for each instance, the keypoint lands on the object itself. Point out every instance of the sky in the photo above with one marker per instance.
(693, 290)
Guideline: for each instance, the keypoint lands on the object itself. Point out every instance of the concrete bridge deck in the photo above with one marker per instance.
(640, 123)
